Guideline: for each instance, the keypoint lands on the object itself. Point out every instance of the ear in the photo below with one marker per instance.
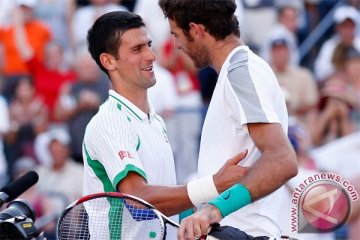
(197, 30)
(108, 61)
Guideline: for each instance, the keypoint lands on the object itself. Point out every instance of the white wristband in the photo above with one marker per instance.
(202, 190)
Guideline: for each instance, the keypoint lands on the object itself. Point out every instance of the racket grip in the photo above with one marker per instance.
(205, 237)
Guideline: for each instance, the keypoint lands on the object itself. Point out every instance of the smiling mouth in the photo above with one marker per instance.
(149, 69)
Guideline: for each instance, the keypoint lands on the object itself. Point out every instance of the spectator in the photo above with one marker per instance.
(57, 15)
(85, 16)
(155, 23)
(286, 27)
(346, 19)
(352, 71)
(163, 94)
(4, 128)
(59, 177)
(333, 120)
(49, 75)
(186, 143)
(300, 139)
(253, 31)
(300, 89)
(38, 35)
(28, 117)
(79, 101)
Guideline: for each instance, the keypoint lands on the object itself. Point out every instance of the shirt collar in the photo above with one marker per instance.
(130, 107)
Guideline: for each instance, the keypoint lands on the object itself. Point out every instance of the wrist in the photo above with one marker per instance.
(232, 199)
(201, 190)
(215, 214)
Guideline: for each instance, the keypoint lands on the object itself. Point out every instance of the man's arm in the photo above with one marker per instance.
(174, 199)
(277, 163)
(275, 167)
(21, 40)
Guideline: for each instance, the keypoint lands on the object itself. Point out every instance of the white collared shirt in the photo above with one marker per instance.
(246, 92)
(121, 138)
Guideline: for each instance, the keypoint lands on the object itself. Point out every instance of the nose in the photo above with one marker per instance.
(151, 55)
(177, 44)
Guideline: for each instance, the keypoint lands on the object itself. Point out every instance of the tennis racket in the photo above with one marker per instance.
(112, 215)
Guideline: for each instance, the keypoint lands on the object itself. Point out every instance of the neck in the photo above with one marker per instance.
(221, 49)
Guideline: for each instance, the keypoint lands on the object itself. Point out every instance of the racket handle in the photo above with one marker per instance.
(208, 237)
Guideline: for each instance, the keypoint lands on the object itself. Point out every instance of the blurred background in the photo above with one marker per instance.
(50, 88)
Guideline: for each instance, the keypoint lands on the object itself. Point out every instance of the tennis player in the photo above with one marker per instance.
(247, 109)
(126, 148)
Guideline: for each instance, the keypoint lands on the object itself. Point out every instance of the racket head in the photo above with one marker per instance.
(110, 216)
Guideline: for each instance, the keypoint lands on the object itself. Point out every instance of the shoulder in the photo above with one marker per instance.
(109, 120)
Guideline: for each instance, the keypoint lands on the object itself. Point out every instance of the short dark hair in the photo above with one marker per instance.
(105, 35)
(216, 15)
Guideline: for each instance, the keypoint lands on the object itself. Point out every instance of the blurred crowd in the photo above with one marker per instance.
(50, 88)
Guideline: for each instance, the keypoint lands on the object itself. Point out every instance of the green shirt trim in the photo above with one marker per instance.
(132, 111)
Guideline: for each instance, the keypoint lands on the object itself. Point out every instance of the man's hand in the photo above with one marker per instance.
(230, 173)
(199, 224)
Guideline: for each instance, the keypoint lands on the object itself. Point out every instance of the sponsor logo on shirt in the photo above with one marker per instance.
(125, 154)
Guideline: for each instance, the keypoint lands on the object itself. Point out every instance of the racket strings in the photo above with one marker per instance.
(110, 218)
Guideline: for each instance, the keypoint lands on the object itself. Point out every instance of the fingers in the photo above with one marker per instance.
(238, 157)
(198, 225)
(193, 227)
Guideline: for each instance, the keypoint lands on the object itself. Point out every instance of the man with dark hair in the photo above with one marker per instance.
(247, 110)
(126, 148)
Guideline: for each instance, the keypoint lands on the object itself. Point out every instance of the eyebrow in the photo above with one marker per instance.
(142, 44)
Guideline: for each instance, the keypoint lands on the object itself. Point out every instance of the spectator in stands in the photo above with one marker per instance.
(79, 101)
(352, 69)
(4, 128)
(186, 141)
(300, 139)
(57, 14)
(163, 94)
(253, 31)
(59, 177)
(352, 73)
(346, 19)
(48, 74)
(333, 120)
(85, 16)
(156, 23)
(38, 35)
(298, 84)
(286, 28)
(28, 117)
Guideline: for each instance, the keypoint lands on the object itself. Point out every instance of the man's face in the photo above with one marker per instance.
(280, 56)
(346, 30)
(135, 60)
(194, 49)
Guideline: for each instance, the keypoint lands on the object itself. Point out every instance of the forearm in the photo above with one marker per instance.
(170, 200)
(271, 171)
(320, 125)
(277, 162)
(21, 41)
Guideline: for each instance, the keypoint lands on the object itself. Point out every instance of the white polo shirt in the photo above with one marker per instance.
(246, 92)
(121, 138)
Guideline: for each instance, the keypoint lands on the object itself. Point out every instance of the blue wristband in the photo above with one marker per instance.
(232, 199)
(186, 213)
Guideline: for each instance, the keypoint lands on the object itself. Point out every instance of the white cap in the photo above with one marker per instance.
(60, 135)
(28, 3)
(346, 12)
